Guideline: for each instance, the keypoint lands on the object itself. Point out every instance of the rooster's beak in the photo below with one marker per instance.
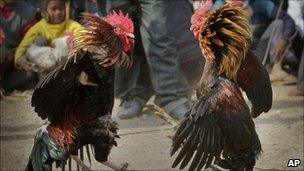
(192, 27)
(131, 35)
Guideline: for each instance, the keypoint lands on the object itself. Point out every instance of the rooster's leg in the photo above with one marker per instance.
(113, 166)
(80, 163)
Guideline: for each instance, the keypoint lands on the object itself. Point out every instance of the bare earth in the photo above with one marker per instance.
(144, 143)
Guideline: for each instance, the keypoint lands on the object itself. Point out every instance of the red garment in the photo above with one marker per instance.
(28, 26)
(7, 11)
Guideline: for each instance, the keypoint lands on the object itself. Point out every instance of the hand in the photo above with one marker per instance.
(25, 64)
(279, 49)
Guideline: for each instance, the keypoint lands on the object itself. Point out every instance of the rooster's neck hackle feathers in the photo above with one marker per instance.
(225, 37)
(99, 37)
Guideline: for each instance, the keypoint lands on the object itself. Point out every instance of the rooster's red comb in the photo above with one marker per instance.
(120, 19)
(199, 17)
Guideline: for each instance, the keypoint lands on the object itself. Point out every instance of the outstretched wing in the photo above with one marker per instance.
(54, 93)
(253, 78)
(216, 120)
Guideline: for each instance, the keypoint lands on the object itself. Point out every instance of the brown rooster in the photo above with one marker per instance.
(78, 96)
(219, 128)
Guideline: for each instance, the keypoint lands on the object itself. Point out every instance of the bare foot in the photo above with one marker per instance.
(278, 74)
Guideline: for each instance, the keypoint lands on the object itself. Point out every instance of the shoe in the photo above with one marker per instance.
(131, 107)
(177, 109)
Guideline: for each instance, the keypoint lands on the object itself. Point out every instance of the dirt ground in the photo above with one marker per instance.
(144, 143)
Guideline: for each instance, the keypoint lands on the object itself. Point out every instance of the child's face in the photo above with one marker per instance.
(56, 11)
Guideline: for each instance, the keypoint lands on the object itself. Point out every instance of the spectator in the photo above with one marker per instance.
(90, 6)
(296, 11)
(300, 85)
(53, 25)
(163, 43)
(16, 18)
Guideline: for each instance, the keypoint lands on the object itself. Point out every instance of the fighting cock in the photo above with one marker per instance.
(219, 128)
(77, 97)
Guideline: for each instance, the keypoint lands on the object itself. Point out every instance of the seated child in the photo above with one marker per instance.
(53, 25)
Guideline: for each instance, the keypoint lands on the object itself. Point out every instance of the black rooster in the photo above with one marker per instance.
(78, 96)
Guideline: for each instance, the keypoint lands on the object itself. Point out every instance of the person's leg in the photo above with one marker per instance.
(159, 41)
(274, 63)
(300, 86)
(262, 44)
(132, 85)
(19, 80)
(6, 65)
(12, 78)
(301, 73)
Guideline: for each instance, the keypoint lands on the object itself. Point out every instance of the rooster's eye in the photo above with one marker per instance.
(118, 30)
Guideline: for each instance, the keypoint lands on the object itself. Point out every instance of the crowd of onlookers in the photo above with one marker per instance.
(36, 36)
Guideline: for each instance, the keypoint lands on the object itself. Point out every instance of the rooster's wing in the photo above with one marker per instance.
(217, 119)
(254, 80)
(56, 91)
(97, 46)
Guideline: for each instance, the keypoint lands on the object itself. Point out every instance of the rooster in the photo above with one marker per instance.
(77, 97)
(219, 129)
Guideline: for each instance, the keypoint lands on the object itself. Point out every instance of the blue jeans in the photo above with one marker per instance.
(163, 43)
(301, 73)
